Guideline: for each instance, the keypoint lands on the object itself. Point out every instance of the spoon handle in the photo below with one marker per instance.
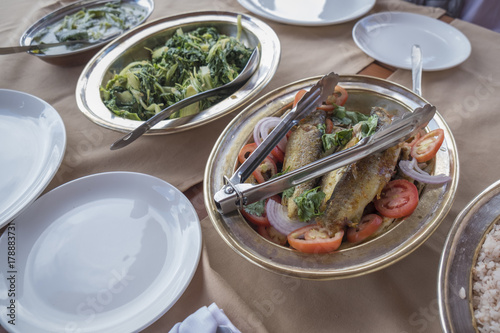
(38, 48)
(416, 71)
(163, 114)
(226, 89)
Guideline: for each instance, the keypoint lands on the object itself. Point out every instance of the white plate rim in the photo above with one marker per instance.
(195, 247)
(48, 172)
(424, 18)
(254, 8)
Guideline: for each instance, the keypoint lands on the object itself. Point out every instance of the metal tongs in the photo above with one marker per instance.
(235, 193)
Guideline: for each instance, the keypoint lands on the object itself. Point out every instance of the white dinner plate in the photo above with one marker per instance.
(389, 36)
(309, 13)
(33, 140)
(110, 252)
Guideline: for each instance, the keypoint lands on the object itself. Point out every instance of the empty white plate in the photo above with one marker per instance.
(109, 252)
(33, 140)
(309, 13)
(389, 36)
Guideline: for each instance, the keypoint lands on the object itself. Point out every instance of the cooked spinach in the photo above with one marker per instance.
(90, 24)
(188, 63)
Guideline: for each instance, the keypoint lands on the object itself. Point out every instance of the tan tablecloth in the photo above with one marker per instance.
(401, 298)
(169, 157)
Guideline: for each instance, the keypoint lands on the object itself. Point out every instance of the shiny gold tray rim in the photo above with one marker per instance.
(319, 268)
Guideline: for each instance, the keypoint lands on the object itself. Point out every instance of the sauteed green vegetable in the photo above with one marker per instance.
(188, 63)
(90, 24)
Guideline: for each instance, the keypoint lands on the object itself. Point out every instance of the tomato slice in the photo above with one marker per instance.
(260, 221)
(326, 107)
(366, 227)
(314, 239)
(399, 198)
(265, 170)
(329, 126)
(278, 155)
(340, 95)
(298, 96)
(246, 151)
(411, 142)
(427, 146)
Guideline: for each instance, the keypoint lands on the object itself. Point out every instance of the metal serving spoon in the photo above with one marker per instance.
(39, 48)
(226, 89)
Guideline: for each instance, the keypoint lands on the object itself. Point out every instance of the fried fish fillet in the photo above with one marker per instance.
(331, 179)
(359, 184)
(304, 146)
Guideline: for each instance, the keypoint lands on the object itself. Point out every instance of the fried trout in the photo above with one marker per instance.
(304, 146)
(331, 179)
(359, 184)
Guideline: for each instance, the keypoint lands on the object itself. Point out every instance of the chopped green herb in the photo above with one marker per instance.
(369, 126)
(308, 204)
(338, 139)
(257, 208)
(344, 117)
(288, 192)
(322, 128)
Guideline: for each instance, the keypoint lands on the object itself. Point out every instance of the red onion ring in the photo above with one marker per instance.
(278, 217)
(411, 169)
(264, 127)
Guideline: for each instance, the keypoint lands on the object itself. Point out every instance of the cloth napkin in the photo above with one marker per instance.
(204, 320)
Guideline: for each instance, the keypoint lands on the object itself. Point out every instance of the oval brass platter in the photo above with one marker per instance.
(134, 46)
(401, 239)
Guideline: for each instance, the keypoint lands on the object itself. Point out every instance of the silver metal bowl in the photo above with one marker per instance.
(400, 240)
(132, 47)
(81, 55)
(459, 256)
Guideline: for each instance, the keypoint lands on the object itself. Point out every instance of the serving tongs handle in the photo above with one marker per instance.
(233, 195)
(311, 99)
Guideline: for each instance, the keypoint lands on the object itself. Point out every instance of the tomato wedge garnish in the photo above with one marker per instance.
(427, 146)
(365, 228)
(399, 198)
(265, 170)
(315, 239)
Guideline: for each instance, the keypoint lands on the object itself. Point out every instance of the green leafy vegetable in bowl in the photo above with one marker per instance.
(90, 24)
(188, 63)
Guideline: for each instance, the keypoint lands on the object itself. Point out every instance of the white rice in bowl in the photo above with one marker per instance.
(486, 283)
